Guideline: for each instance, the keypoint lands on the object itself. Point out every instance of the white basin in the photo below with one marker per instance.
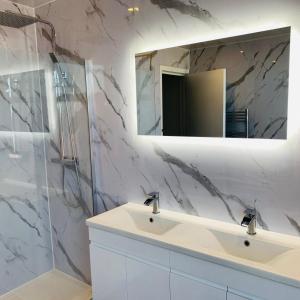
(132, 219)
(249, 248)
(231, 244)
(154, 224)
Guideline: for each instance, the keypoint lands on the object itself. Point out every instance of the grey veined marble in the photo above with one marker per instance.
(43, 207)
(214, 179)
(23, 102)
(25, 237)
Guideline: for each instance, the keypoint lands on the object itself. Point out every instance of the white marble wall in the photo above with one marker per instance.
(70, 205)
(209, 177)
(25, 241)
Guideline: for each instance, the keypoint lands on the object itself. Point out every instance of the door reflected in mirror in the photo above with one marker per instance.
(235, 88)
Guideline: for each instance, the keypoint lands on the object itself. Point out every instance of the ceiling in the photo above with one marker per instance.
(33, 3)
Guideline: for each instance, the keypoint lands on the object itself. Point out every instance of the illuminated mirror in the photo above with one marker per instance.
(235, 88)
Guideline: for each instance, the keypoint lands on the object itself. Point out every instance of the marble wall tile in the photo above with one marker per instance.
(207, 177)
(25, 246)
(25, 237)
(70, 200)
(119, 152)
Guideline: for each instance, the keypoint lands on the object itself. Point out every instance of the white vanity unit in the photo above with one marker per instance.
(136, 255)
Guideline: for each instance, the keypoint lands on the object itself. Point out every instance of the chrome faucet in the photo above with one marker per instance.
(249, 221)
(153, 198)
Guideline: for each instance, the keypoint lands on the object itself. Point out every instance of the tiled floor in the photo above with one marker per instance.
(54, 285)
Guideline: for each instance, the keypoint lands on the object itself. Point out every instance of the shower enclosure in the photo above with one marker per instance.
(45, 175)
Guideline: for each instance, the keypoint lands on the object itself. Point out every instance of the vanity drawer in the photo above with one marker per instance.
(186, 287)
(130, 247)
(254, 286)
(147, 281)
(108, 274)
(198, 268)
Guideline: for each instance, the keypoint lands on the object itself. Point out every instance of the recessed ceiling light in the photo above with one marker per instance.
(133, 9)
(242, 51)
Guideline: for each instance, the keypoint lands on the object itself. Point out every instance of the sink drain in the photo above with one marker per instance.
(247, 243)
(151, 220)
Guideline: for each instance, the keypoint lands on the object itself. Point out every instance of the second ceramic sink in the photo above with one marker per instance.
(248, 247)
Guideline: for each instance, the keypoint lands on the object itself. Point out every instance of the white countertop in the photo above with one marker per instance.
(270, 255)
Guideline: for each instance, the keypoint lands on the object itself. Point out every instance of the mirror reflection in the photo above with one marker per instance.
(24, 102)
(235, 88)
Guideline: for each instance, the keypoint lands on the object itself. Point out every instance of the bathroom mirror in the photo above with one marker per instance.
(24, 102)
(235, 88)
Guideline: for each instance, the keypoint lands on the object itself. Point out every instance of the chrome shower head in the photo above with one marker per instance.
(14, 20)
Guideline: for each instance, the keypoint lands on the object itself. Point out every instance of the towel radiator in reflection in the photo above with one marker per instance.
(237, 124)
